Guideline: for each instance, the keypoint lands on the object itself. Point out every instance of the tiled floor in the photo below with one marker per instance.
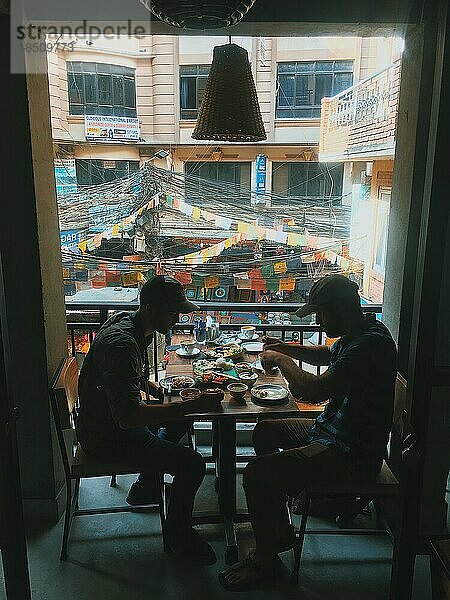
(119, 557)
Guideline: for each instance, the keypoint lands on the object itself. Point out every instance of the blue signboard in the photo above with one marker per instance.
(70, 239)
(65, 176)
(261, 162)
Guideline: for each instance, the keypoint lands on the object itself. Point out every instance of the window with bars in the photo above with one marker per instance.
(302, 85)
(307, 180)
(94, 172)
(219, 174)
(192, 85)
(101, 89)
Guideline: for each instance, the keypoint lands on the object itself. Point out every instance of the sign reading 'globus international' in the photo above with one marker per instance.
(98, 127)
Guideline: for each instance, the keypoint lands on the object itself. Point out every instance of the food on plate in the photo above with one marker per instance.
(211, 379)
(260, 393)
(223, 363)
(244, 367)
(189, 393)
(211, 353)
(181, 382)
(232, 349)
(202, 365)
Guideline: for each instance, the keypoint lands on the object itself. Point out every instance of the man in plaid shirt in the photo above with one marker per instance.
(347, 441)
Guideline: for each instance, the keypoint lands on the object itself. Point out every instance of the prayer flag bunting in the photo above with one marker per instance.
(267, 270)
(286, 284)
(211, 282)
(183, 277)
(280, 267)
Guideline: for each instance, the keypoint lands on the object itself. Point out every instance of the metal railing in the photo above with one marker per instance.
(374, 98)
(86, 318)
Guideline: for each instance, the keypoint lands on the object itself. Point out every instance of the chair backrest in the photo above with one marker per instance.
(398, 425)
(63, 400)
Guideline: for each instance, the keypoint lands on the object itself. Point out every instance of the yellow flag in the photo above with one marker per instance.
(196, 213)
(280, 267)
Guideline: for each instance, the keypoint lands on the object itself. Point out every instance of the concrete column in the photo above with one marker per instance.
(33, 280)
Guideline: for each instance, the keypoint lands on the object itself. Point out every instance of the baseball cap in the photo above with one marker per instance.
(327, 290)
(168, 292)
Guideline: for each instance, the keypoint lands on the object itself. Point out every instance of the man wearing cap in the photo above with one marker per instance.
(346, 442)
(115, 425)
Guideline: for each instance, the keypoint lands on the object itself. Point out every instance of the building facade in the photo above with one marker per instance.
(358, 128)
(116, 103)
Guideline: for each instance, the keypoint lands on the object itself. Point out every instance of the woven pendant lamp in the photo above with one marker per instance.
(199, 14)
(229, 111)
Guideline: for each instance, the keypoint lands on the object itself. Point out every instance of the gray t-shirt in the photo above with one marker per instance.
(111, 379)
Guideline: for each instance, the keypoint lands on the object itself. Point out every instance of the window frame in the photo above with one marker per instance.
(120, 77)
(191, 114)
(97, 171)
(197, 193)
(337, 197)
(299, 71)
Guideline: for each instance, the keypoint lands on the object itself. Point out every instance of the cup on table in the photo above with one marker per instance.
(188, 347)
(248, 331)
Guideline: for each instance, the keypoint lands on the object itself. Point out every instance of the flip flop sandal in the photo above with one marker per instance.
(262, 579)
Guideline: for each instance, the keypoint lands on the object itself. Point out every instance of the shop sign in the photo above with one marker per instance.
(65, 176)
(70, 238)
(103, 128)
(261, 162)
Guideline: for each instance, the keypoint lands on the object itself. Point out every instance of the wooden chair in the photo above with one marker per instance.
(440, 567)
(77, 466)
(384, 486)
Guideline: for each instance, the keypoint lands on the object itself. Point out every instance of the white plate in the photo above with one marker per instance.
(244, 338)
(185, 354)
(253, 347)
(164, 383)
(273, 392)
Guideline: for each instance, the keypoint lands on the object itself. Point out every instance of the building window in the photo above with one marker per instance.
(229, 176)
(192, 85)
(307, 180)
(94, 172)
(302, 85)
(100, 89)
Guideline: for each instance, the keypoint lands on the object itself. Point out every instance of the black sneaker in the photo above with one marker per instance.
(141, 493)
(193, 548)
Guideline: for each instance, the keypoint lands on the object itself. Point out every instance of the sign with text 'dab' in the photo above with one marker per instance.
(111, 129)
(70, 238)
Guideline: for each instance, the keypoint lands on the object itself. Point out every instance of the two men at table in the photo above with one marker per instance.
(115, 425)
(347, 441)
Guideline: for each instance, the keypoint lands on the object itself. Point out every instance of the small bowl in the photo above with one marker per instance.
(249, 379)
(189, 393)
(237, 390)
(244, 367)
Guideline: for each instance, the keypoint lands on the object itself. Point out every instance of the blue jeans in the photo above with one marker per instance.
(158, 452)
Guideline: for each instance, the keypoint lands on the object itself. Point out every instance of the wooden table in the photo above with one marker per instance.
(224, 423)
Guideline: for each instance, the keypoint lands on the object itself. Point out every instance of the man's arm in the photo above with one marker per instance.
(318, 356)
(313, 388)
(156, 414)
(120, 370)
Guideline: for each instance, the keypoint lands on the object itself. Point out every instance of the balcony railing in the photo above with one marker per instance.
(84, 319)
(362, 119)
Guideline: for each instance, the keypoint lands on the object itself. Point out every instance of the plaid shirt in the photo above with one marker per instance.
(358, 422)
